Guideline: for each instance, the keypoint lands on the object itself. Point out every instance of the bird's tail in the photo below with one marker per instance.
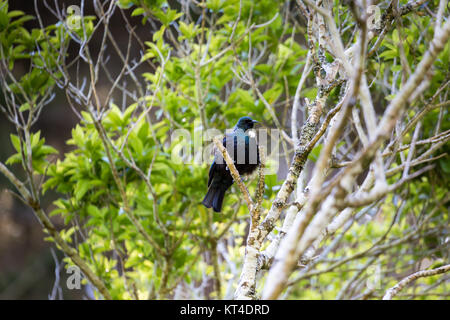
(214, 198)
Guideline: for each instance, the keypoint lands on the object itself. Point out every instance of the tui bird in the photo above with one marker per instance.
(243, 149)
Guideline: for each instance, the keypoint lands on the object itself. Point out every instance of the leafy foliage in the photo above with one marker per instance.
(121, 172)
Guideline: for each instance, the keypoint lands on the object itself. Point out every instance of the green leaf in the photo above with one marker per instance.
(215, 5)
(15, 158)
(81, 188)
(15, 142)
(273, 93)
(93, 211)
(46, 149)
(15, 13)
(4, 20)
(24, 107)
(137, 12)
(389, 54)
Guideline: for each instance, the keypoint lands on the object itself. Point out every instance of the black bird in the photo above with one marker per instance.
(243, 149)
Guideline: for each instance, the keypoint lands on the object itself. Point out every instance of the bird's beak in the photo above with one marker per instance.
(254, 121)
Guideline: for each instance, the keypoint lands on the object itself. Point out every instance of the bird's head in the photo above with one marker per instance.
(245, 123)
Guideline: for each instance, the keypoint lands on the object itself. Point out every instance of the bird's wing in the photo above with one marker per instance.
(213, 167)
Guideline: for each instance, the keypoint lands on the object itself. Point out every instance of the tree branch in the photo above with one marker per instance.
(392, 292)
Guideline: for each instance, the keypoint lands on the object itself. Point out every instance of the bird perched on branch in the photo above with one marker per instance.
(243, 150)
